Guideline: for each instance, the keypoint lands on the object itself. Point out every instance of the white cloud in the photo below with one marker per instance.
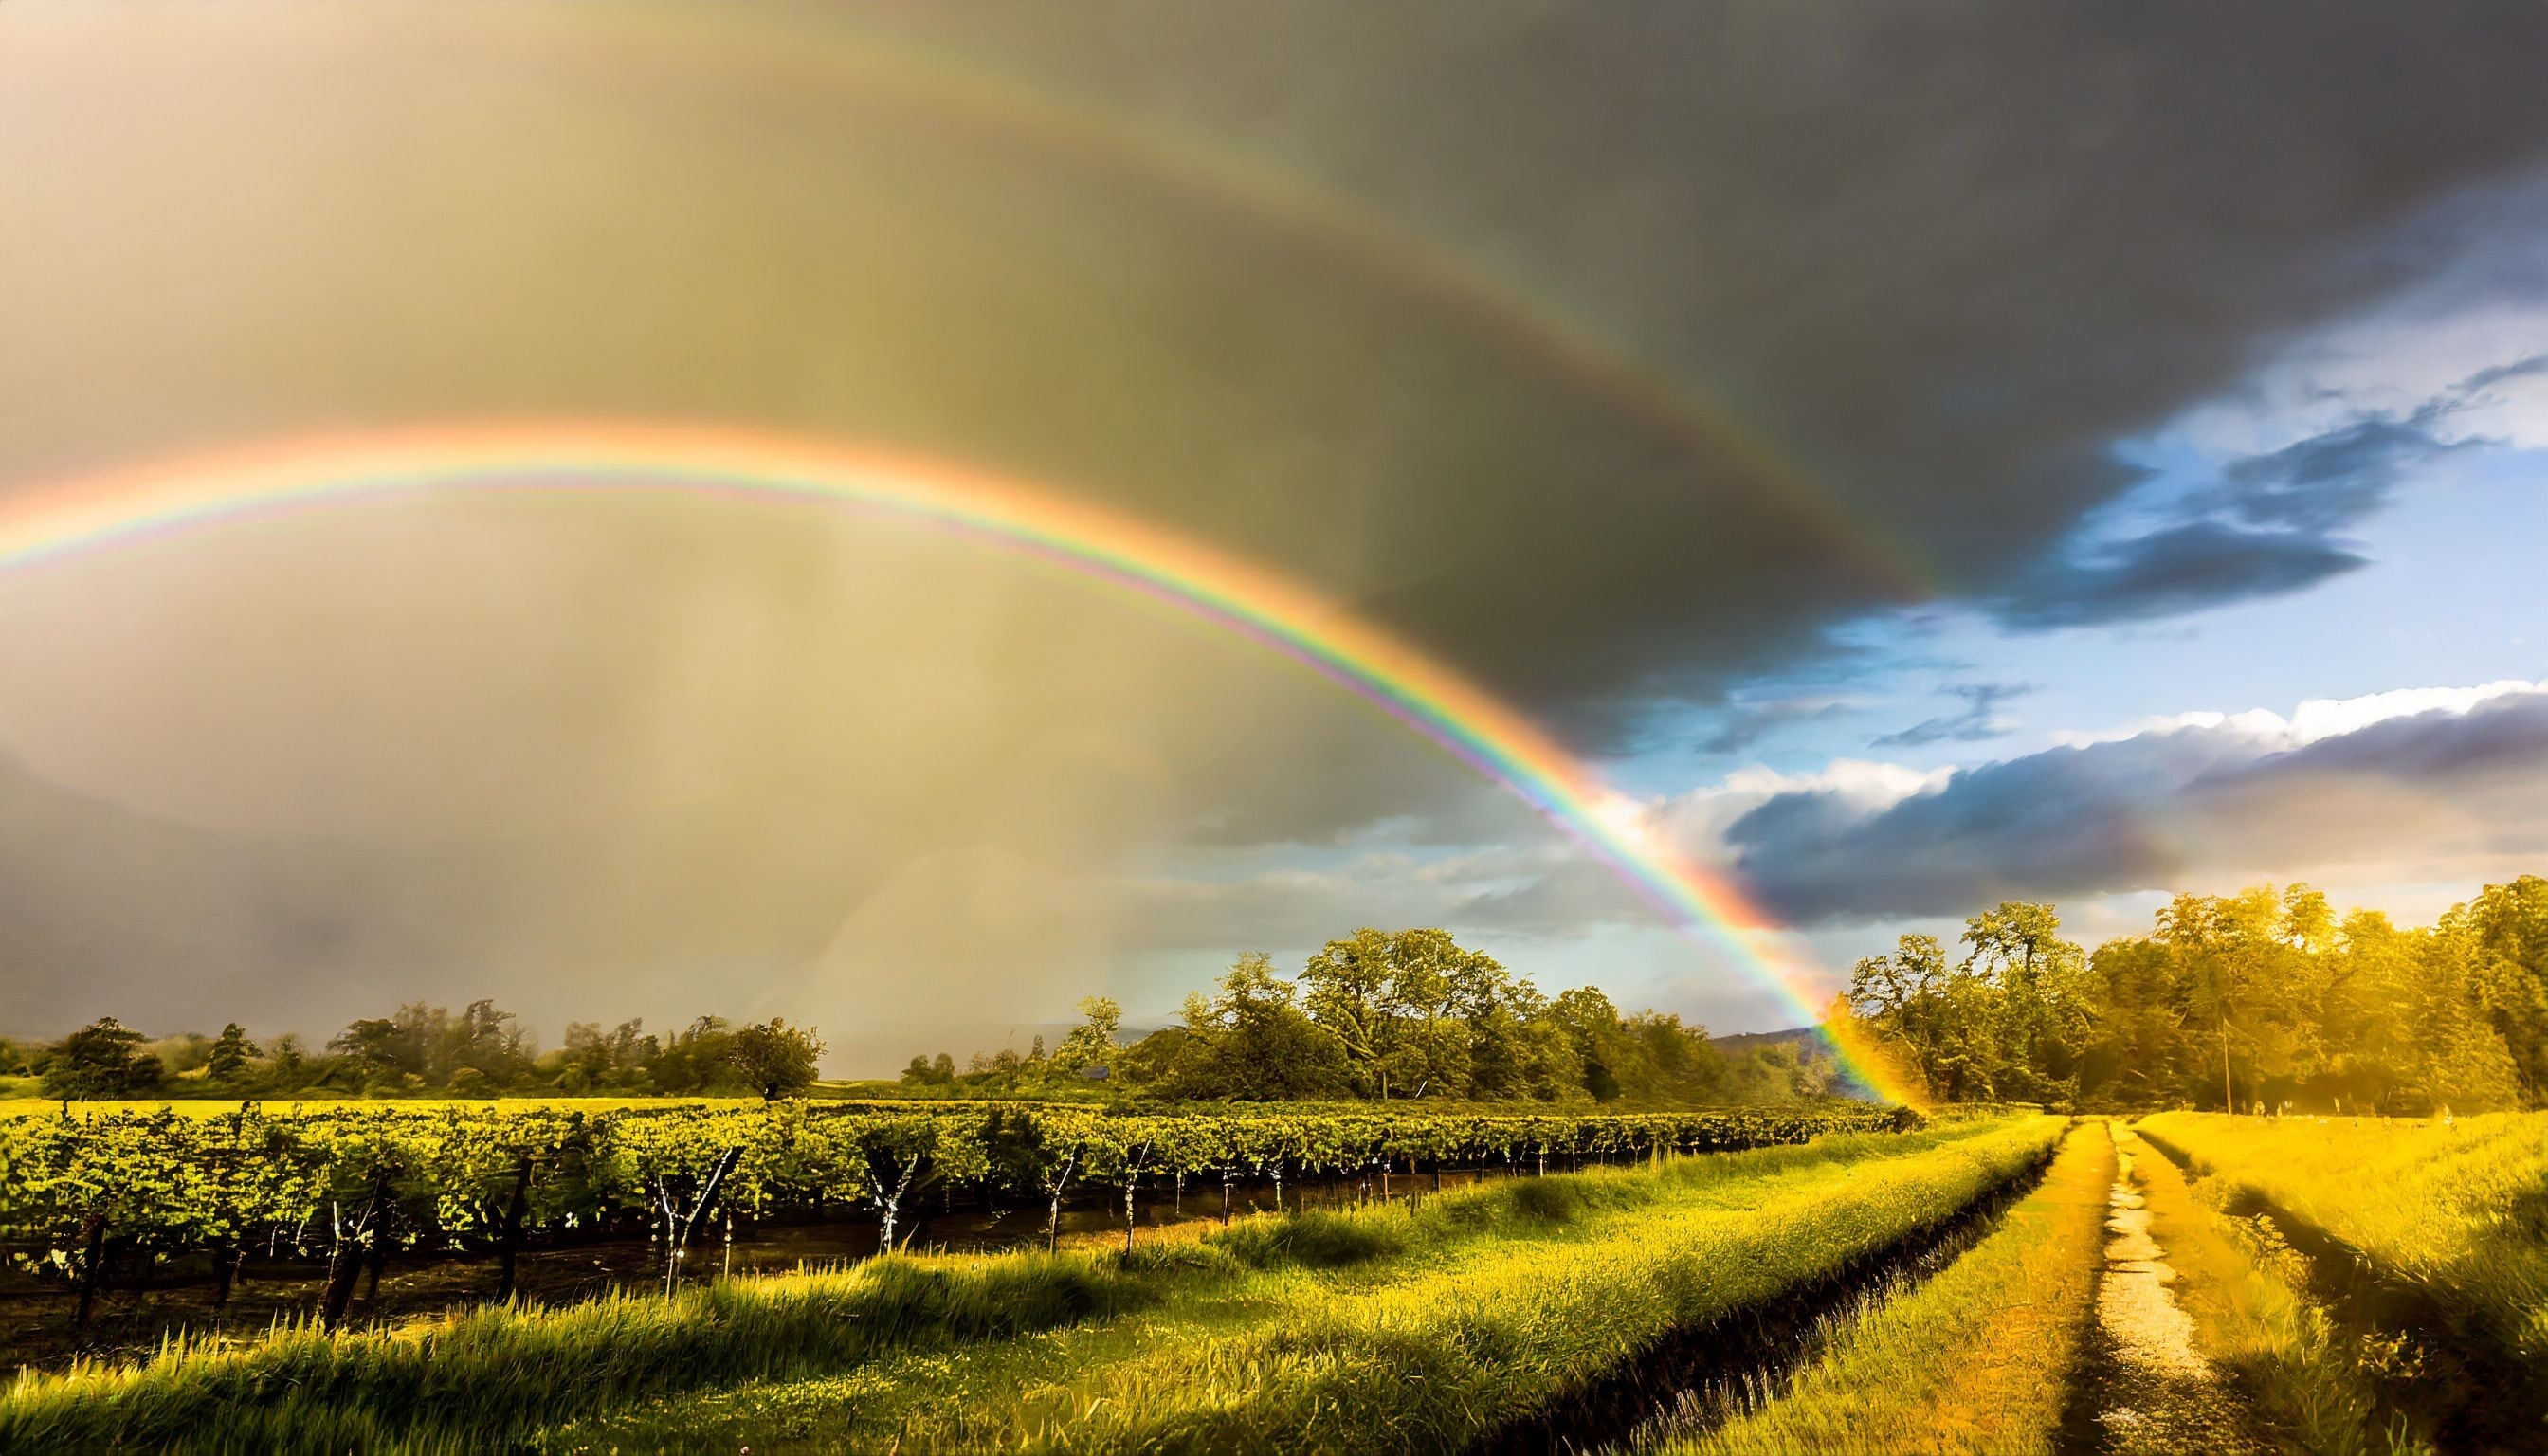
(2312, 721)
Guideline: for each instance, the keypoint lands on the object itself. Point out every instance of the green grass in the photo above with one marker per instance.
(1479, 1309)
(1978, 1359)
(2309, 1386)
(2456, 1209)
(299, 1388)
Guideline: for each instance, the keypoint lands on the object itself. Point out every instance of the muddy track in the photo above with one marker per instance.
(2479, 1399)
(2143, 1388)
(1682, 1373)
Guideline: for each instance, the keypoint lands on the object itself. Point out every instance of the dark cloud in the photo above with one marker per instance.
(1613, 353)
(2143, 812)
(1921, 264)
(2535, 365)
(2180, 568)
(2329, 482)
(1980, 722)
(2273, 524)
(1741, 725)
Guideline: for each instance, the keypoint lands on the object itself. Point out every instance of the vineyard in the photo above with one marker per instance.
(350, 1185)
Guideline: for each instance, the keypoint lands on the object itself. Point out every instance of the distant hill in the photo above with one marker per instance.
(1808, 1040)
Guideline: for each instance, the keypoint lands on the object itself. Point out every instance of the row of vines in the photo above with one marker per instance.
(349, 1184)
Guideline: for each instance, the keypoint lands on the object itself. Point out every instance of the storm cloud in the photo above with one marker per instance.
(1616, 356)
(1910, 269)
(2148, 810)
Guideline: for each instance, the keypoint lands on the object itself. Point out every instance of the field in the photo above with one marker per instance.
(1748, 1283)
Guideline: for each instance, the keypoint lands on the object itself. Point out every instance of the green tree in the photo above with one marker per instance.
(230, 1053)
(1092, 1042)
(1346, 991)
(2037, 982)
(1251, 1043)
(103, 1059)
(774, 1059)
(2508, 930)
(696, 1058)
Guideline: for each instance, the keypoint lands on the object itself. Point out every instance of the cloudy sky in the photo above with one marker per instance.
(1926, 453)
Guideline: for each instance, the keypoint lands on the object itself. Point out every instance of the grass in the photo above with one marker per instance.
(1474, 1310)
(1975, 1359)
(2457, 1210)
(298, 1387)
(2309, 1386)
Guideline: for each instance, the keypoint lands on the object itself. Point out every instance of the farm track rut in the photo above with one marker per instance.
(2149, 1392)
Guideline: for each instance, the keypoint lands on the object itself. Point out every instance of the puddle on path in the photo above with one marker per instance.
(2160, 1394)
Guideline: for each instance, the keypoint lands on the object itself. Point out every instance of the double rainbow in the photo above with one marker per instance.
(51, 524)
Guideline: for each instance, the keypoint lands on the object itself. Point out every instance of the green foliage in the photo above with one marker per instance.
(103, 1059)
(2449, 1207)
(2253, 1000)
(1979, 1359)
(1391, 1016)
(171, 1182)
(229, 1062)
(1092, 1042)
(774, 1059)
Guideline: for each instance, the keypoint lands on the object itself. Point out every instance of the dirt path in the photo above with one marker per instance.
(2156, 1393)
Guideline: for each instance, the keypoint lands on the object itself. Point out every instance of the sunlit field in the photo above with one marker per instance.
(1983, 1284)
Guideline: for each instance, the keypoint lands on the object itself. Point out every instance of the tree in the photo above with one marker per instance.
(776, 1058)
(1251, 1043)
(1345, 990)
(1591, 1024)
(103, 1059)
(380, 1049)
(1404, 1006)
(696, 1058)
(2508, 930)
(230, 1053)
(1092, 1042)
(2042, 1002)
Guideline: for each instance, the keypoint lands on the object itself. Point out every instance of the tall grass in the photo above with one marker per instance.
(2457, 1209)
(1500, 1304)
(299, 1388)
(2310, 1386)
(1976, 1359)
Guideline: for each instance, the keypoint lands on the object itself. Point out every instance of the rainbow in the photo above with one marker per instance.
(937, 83)
(58, 522)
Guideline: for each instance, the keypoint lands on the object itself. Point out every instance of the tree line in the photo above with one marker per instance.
(2262, 999)
(425, 1050)
(1388, 1016)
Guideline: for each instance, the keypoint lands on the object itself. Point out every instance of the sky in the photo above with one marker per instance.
(1921, 455)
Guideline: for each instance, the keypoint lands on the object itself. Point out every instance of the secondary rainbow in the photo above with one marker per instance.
(51, 523)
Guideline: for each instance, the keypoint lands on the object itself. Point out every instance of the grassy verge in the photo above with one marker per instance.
(299, 1388)
(2310, 1386)
(1975, 1359)
(1478, 1310)
(2456, 1210)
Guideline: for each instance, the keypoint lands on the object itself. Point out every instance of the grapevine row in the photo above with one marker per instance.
(350, 1183)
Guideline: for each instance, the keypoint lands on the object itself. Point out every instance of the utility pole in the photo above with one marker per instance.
(2227, 1103)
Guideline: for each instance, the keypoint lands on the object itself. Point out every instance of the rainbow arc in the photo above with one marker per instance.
(1282, 615)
